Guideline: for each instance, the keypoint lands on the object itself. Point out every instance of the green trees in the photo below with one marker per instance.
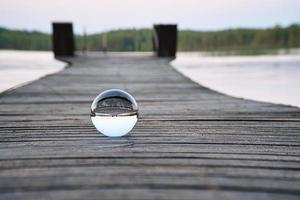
(120, 40)
(24, 40)
(141, 39)
(240, 39)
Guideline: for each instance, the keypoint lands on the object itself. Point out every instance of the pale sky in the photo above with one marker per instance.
(99, 15)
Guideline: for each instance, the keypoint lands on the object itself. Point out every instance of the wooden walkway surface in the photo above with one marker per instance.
(189, 143)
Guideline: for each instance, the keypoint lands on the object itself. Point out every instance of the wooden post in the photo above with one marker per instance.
(63, 39)
(165, 39)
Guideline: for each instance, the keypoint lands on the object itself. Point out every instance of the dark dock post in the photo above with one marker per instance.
(63, 39)
(165, 40)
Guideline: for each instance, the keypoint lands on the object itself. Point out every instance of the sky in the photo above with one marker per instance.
(98, 15)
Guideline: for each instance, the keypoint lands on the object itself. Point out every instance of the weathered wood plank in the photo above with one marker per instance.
(189, 143)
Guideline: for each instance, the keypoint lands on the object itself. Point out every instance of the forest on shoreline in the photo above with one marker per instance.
(141, 39)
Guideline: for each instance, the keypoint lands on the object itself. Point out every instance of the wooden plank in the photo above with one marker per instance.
(190, 142)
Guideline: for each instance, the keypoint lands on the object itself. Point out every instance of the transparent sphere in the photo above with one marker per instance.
(114, 112)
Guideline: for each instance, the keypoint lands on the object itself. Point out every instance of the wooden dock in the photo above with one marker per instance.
(190, 142)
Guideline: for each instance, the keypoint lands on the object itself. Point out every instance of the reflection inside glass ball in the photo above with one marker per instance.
(114, 112)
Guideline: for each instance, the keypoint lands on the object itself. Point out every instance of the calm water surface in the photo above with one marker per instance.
(20, 67)
(269, 78)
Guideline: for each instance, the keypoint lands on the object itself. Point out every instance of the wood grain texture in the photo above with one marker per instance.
(190, 142)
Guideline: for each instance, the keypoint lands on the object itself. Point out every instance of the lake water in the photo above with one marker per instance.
(20, 67)
(268, 78)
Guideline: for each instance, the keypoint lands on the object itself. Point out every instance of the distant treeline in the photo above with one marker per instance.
(24, 40)
(141, 39)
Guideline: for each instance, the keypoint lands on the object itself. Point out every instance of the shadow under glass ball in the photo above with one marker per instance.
(114, 113)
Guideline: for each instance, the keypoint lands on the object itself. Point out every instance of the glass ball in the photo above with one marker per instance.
(114, 112)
